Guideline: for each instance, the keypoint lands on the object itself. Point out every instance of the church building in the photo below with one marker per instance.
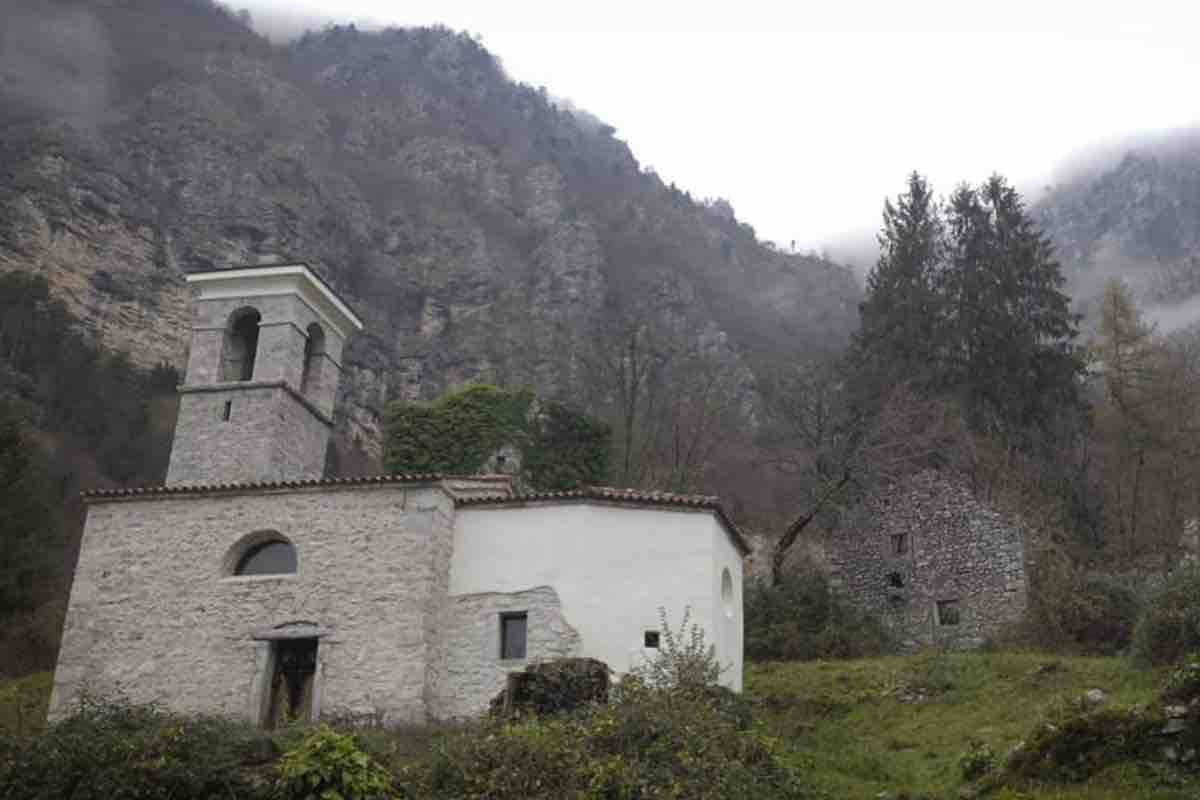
(251, 586)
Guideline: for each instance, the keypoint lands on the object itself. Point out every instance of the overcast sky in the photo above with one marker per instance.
(806, 115)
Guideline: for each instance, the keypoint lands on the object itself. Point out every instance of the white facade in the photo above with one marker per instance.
(613, 568)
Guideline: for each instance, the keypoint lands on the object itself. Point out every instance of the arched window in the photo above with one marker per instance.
(262, 553)
(314, 357)
(241, 345)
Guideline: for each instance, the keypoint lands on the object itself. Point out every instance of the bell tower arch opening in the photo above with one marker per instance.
(241, 345)
(314, 359)
(263, 370)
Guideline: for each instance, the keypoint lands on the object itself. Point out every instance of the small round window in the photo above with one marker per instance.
(268, 558)
(727, 593)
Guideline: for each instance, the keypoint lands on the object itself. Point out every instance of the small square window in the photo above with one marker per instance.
(948, 612)
(651, 640)
(512, 635)
(895, 580)
(899, 544)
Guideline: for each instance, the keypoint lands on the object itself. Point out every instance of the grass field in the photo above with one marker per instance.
(891, 727)
(899, 725)
(23, 704)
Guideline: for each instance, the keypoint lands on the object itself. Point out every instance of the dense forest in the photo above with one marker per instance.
(71, 416)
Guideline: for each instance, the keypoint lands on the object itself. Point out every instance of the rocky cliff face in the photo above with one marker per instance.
(482, 231)
(1133, 214)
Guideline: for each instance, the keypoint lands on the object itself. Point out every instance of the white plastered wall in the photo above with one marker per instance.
(612, 566)
(727, 559)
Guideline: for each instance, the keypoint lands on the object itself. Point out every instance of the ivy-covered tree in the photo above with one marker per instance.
(462, 432)
(568, 449)
(458, 432)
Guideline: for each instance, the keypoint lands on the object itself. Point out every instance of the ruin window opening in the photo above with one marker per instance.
(900, 544)
(241, 345)
(948, 612)
(512, 635)
(895, 580)
(651, 640)
(272, 557)
(314, 358)
(228, 412)
(292, 681)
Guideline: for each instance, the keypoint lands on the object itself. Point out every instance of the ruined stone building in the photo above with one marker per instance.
(251, 586)
(937, 565)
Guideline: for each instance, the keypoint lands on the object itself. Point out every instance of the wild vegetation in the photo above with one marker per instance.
(553, 446)
(994, 724)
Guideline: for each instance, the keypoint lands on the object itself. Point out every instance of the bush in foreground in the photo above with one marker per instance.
(110, 751)
(1169, 627)
(329, 765)
(647, 743)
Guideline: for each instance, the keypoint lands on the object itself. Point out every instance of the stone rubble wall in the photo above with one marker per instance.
(269, 436)
(475, 673)
(958, 549)
(153, 615)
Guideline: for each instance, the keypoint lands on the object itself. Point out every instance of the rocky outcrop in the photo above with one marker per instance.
(478, 228)
(1133, 214)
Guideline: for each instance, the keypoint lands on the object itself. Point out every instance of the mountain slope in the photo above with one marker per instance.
(1133, 213)
(483, 231)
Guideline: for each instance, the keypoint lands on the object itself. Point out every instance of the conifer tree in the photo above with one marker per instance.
(966, 302)
(897, 339)
(1012, 358)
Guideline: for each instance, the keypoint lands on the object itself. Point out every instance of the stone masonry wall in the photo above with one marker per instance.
(475, 673)
(957, 550)
(154, 615)
(270, 435)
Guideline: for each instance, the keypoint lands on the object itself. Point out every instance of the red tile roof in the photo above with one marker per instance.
(255, 486)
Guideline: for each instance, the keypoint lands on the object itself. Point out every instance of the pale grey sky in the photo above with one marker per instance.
(806, 115)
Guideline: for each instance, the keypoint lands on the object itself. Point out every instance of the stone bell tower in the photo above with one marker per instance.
(262, 375)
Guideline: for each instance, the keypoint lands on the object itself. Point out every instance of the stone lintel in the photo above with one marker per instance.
(292, 630)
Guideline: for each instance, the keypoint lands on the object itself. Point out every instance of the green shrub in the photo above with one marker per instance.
(1077, 740)
(1183, 684)
(647, 743)
(1169, 627)
(110, 751)
(329, 766)
(1099, 617)
(1072, 612)
(683, 660)
(979, 760)
(800, 619)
